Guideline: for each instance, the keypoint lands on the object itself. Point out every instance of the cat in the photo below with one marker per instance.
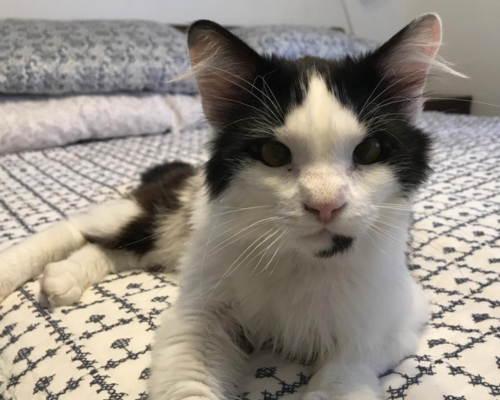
(281, 239)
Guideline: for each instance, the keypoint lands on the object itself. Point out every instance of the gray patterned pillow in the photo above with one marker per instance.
(56, 57)
(299, 41)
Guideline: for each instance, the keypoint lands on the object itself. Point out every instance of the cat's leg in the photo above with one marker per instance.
(195, 356)
(342, 380)
(26, 260)
(63, 282)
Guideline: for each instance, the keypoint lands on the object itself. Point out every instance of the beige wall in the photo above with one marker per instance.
(472, 43)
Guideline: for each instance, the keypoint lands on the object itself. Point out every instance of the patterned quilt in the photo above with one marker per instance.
(101, 348)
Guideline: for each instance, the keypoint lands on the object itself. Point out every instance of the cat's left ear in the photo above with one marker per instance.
(405, 60)
(224, 67)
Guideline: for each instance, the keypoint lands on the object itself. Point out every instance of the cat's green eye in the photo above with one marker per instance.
(367, 152)
(275, 154)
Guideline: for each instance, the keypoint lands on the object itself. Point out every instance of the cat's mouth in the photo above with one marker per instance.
(321, 233)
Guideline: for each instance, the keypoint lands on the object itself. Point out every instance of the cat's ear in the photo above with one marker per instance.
(405, 60)
(224, 67)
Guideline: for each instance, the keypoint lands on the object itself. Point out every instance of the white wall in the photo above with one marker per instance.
(376, 19)
(472, 43)
(371, 18)
(236, 12)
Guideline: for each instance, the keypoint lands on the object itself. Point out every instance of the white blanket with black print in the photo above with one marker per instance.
(101, 348)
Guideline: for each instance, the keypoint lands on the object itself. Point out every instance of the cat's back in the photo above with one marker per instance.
(167, 196)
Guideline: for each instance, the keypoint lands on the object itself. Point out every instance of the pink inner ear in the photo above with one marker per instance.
(212, 70)
(411, 57)
(207, 62)
(224, 68)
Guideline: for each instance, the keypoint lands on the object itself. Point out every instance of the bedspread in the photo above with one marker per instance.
(101, 348)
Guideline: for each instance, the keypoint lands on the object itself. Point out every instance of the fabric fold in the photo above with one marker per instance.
(29, 122)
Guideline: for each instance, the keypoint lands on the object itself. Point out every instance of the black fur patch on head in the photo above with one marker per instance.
(276, 90)
(158, 194)
(340, 244)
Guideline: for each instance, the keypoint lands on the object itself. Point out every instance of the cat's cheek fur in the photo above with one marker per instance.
(374, 191)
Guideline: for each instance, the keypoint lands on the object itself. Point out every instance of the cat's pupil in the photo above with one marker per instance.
(367, 152)
(275, 154)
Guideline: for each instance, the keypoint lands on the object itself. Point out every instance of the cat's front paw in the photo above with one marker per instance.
(365, 394)
(317, 395)
(7, 279)
(5, 289)
(61, 283)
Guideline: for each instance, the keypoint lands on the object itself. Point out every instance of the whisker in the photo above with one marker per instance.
(237, 102)
(232, 228)
(265, 252)
(274, 255)
(269, 236)
(139, 240)
(270, 91)
(229, 272)
(205, 253)
(367, 231)
(367, 102)
(463, 100)
(281, 256)
(252, 85)
(406, 76)
(217, 248)
(389, 236)
(239, 209)
(247, 90)
(414, 234)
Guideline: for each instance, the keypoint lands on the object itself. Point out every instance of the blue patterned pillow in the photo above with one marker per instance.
(56, 57)
(62, 57)
(299, 41)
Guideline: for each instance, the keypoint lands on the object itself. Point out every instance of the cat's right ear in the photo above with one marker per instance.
(405, 60)
(224, 67)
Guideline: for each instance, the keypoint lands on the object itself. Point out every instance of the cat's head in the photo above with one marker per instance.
(319, 144)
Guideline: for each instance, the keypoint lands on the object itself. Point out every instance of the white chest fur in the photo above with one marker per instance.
(311, 307)
(360, 302)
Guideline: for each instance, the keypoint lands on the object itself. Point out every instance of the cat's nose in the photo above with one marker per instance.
(324, 212)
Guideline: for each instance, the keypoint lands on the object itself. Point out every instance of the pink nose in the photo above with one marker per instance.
(324, 212)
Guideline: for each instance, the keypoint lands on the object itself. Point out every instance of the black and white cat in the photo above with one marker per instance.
(282, 238)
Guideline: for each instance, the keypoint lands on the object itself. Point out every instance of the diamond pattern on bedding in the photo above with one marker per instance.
(100, 348)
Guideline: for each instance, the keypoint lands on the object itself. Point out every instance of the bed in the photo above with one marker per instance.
(101, 347)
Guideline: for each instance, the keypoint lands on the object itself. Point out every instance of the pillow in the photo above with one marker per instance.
(61, 57)
(64, 57)
(299, 41)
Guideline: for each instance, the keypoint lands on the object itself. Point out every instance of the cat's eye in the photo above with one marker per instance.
(367, 152)
(275, 154)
